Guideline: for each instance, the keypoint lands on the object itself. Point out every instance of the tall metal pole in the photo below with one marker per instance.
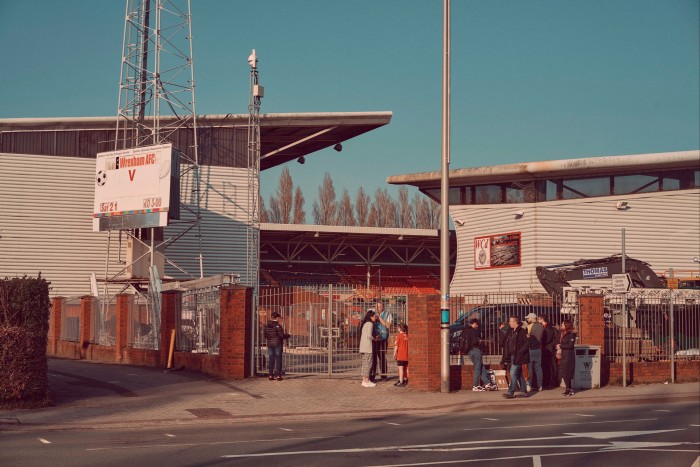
(672, 332)
(444, 213)
(624, 318)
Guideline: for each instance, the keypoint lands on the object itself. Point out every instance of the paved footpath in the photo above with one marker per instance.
(88, 394)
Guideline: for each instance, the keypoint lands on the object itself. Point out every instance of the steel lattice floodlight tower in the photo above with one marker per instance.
(156, 97)
(253, 225)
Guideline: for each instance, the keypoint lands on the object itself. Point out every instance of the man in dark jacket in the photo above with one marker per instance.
(516, 352)
(274, 334)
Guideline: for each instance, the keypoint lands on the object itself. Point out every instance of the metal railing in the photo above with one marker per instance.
(199, 321)
(143, 329)
(103, 321)
(70, 319)
(323, 322)
(657, 324)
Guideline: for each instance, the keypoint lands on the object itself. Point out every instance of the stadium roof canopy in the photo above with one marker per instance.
(350, 246)
(223, 138)
(584, 167)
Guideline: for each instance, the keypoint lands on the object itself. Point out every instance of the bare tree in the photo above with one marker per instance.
(362, 204)
(299, 213)
(346, 215)
(427, 212)
(372, 217)
(406, 214)
(386, 209)
(324, 209)
(264, 215)
(283, 199)
(274, 210)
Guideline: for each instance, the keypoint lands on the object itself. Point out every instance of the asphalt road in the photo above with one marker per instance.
(641, 435)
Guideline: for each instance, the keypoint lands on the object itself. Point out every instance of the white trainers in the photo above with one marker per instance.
(478, 389)
(491, 387)
(368, 384)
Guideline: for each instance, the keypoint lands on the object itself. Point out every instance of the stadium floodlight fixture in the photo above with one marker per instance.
(253, 59)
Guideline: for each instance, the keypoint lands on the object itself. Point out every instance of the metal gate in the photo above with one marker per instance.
(323, 322)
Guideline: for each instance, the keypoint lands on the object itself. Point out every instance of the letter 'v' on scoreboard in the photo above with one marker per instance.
(136, 188)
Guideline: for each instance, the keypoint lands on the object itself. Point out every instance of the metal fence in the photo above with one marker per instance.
(199, 321)
(655, 324)
(70, 319)
(323, 322)
(143, 324)
(103, 321)
(493, 310)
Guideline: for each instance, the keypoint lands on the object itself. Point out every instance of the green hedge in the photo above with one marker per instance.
(24, 326)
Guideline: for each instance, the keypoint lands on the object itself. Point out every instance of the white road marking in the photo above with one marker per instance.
(492, 419)
(536, 461)
(169, 435)
(45, 441)
(395, 424)
(582, 415)
(661, 410)
(286, 429)
(214, 443)
(560, 424)
(693, 425)
(462, 445)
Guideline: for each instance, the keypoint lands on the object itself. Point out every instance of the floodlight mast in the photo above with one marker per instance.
(156, 106)
(253, 224)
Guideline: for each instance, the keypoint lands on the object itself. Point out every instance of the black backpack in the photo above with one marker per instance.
(465, 340)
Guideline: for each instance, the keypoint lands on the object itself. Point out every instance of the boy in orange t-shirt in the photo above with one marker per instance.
(401, 355)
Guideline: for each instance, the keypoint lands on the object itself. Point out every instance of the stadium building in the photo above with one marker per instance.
(511, 218)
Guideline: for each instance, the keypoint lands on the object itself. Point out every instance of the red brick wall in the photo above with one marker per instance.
(591, 327)
(655, 372)
(55, 327)
(236, 338)
(424, 349)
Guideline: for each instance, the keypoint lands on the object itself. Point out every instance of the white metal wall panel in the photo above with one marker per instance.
(46, 221)
(46, 207)
(662, 229)
(224, 217)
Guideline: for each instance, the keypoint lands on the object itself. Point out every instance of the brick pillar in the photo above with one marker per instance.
(55, 325)
(424, 348)
(236, 336)
(85, 323)
(170, 303)
(122, 326)
(591, 327)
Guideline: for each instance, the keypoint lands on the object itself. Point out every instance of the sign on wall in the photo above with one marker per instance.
(497, 251)
(133, 187)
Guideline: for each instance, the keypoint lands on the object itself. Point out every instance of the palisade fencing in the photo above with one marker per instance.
(493, 310)
(646, 324)
(103, 322)
(199, 321)
(323, 321)
(70, 319)
(143, 326)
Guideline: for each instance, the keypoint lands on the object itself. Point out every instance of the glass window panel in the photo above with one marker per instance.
(487, 194)
(671, 183)
(697, 179)
(551, 190)
(586, 187)
(626, 184)
(455, 195)
(515, 194)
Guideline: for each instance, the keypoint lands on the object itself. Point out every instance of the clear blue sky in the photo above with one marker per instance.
(531, 80)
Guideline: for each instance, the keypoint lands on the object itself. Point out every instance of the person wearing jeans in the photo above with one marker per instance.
(275, 336)
(516, 353)
(472, 346)
(535, 331)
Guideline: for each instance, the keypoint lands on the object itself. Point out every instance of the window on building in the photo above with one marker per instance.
(488, 194)
(630, 184)
(586, 187)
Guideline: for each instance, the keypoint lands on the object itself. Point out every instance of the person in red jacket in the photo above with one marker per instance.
(401, 354)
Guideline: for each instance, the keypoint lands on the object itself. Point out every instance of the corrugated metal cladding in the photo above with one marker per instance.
(662, 229)
(217, 146)
(46, 208)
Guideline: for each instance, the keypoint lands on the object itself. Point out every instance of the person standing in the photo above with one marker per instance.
(516, 353)
(275, 336)
(535, 332)
(549, 343)
(366, 333)
(380, 343)
(567, 364)
(471, 345)
(401, 354)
